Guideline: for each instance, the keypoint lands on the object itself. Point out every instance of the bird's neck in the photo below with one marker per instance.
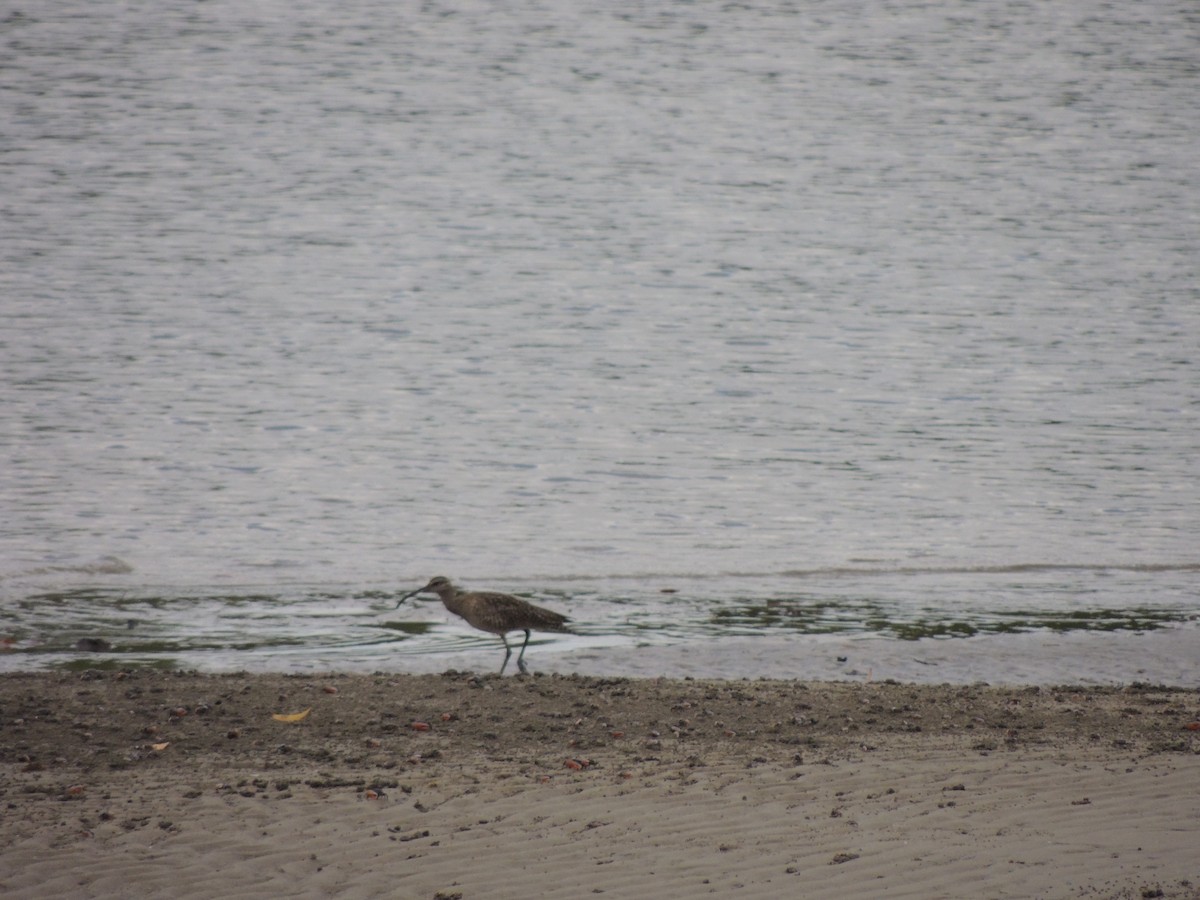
(451, 599)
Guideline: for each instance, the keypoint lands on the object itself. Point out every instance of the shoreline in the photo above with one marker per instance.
(184, 784)
(1169, 656)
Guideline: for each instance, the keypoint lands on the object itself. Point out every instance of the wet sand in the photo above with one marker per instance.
(456, 785)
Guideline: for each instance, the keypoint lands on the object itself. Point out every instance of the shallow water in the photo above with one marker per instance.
(914, 625)
(818, 317)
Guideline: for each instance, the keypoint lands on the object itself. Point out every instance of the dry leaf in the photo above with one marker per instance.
(291, 717)
(160, 747)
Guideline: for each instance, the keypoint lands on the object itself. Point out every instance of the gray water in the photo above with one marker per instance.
(868, 331)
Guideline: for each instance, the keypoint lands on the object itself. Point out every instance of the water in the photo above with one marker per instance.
(845, 324)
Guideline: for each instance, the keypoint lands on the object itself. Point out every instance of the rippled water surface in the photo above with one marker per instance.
(748, 335)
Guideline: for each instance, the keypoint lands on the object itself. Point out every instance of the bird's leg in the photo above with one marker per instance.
(521, 656)
(508, 653)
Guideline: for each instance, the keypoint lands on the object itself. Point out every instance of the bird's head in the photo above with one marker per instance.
(437, 585)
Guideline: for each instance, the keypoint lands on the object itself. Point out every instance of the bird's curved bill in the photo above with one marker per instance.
(406, 596)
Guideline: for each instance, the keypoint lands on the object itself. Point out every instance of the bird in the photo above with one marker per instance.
(495, 613)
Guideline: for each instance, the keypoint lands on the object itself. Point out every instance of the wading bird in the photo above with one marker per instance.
(495, 613)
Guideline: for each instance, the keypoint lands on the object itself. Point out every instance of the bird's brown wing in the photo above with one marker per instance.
(499, 613)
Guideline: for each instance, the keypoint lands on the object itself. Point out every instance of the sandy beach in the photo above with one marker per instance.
(161, 784)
